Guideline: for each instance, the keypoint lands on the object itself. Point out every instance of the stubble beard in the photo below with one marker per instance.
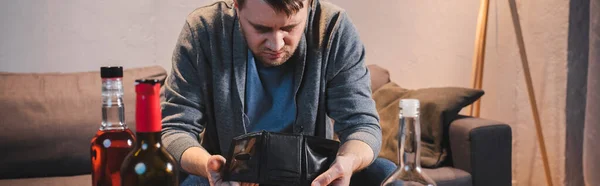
(287, 54)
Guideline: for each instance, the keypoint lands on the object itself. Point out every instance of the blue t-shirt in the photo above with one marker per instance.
(269, 97)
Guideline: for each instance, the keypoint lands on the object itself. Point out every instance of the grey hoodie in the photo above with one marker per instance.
(203, 98)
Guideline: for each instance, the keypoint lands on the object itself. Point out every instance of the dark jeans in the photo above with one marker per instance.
(374, 174)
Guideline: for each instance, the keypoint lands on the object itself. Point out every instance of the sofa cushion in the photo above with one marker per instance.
(81, 180)
(48, 120)
(379, 77)
(448, 176)
(439, 106)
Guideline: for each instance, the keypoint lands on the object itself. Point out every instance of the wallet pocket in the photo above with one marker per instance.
(244, 159)
(319, 155)
(278, 158)
(283, 155)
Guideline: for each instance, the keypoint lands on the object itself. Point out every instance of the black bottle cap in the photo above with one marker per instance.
(111, 72)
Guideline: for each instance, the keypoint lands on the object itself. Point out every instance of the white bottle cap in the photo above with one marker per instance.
(409, 107)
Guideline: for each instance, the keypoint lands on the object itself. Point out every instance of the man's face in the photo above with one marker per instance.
(271, 36)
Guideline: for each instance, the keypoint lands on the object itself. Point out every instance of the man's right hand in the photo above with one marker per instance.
(214, 165)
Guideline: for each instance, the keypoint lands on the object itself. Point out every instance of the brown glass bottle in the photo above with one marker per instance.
(149, 163)
(114, 139)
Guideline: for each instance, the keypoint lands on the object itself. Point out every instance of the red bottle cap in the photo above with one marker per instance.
(147, 106)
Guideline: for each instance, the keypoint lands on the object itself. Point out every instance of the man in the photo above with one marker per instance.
(276, 65)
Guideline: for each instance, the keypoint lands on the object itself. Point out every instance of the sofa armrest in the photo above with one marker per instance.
(483, 148)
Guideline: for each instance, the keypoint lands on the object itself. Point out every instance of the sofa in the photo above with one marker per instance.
(48, 119)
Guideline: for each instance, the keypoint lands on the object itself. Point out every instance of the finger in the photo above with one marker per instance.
(344, 181)
(249, 184)
(215, 163)
(327, 177)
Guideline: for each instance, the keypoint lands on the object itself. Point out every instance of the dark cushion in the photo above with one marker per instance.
(379, 77)
(439, 106)
(48, 120)
(448, 176)
(82, 180)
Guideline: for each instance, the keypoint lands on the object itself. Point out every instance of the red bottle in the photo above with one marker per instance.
(149, 163)
(114, 139)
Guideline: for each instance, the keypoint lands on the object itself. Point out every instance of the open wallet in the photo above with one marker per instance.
(270, 158)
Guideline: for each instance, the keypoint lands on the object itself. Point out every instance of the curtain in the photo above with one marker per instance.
(591, 152)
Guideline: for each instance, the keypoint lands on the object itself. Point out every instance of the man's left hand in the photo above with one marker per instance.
(338, 174)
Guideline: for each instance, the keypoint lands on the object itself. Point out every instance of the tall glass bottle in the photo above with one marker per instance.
(114, 139)
(409, 173)
(149, 163)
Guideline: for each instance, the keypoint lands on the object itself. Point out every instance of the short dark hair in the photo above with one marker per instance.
(289, 7)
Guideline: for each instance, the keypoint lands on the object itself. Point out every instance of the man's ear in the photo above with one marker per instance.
(235, 4)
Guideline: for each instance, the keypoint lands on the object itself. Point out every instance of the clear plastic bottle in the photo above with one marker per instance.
(409, 172)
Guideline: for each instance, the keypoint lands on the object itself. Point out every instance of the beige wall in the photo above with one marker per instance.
(74, 35)
(545, 28)
(423, 43)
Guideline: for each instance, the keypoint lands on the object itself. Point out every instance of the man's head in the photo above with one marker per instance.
(272, 28)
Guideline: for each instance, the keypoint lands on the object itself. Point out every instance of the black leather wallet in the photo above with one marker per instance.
(270, 158)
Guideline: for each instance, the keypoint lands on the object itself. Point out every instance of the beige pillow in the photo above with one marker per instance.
(439, 106)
